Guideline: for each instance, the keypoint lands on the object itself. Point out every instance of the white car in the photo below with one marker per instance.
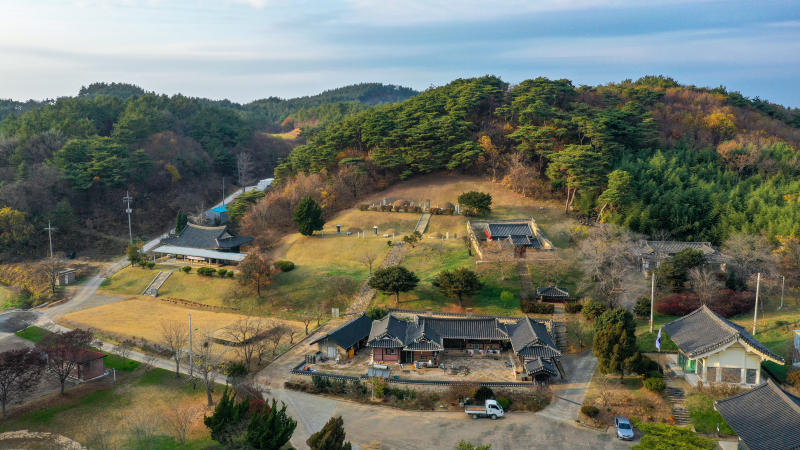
(624, 429)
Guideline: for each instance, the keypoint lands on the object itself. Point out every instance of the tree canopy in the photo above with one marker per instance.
(308, 216)
(478, 202)
(457, 283)
(394, 280)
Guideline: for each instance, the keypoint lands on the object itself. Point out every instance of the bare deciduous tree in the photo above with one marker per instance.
(100, 433)
(368, 259)
(175, 336)
(49, 270)
(354, 178)
(244, 168)
(206, 361)
(245, 335)
(142, 428)
(275, 336)
(20, 371)
(750, 254)
(149, 361)
(65, 351)
(609, 264)
(704, 283)
(306, 318)
(553, 270)
(179, 422)
(440, 250)
(124, 349)
(198, 217)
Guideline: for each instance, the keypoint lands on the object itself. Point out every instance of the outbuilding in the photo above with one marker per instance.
(345, 341)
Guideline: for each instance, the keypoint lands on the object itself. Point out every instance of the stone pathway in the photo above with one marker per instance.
(525, 281)
(677, 396)
(366, 293)
(155, 285)
(560, 327)
(422, 224)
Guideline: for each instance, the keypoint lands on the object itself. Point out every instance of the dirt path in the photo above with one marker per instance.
(568, 395)
(525, 280)
(366, 293)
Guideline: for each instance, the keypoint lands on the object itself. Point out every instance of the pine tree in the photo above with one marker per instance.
(457, 283)
(394, 280)
(226, 423)
(271, 428)
(180, 222)
(615, 351)
(308, 216)
(330, 437)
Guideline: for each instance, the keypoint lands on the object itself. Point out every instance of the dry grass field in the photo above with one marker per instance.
(141, 317)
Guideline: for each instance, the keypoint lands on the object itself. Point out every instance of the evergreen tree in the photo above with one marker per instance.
(308, 216)
(394, 280)
(615, 350)
(180, 222)
(227, 421)
(674, 273)
(479, 202)
(330, 437)
(271, 428)
(615, 316)
(457, 283)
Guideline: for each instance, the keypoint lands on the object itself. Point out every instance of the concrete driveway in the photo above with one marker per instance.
(396, 429)
(568, 395)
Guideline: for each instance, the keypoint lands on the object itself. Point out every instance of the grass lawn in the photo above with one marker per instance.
(113, 408)
(133, 280)
(33, 333)
(703, 415)
(5, 298)
(647, 340)
(426, 261)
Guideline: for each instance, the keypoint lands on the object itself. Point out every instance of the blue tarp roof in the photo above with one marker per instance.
(220, 209)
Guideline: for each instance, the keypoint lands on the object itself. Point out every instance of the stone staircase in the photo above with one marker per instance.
(422, 223)
(677, 396)
(155, 285)
(525, 281)
(560, 327)
(366, 293)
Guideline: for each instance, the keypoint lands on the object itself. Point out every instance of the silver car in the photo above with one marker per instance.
(624, 429)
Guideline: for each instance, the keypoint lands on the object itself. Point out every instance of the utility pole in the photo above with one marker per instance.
(191, 349)
(223, 191)
(755, 316)
(129, 199)
(50, 230)
(652, 298)
(783, 285)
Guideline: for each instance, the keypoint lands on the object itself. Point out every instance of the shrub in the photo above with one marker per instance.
(593, 309)
(211, 272)
(377, 313)
(222, 272)
(724, 302)
(655, 384)
(186, 269)
(652, 374)
(794, 378)
(416, 209)
(531, 307)
(142, 264)
(434, 211)
(448, 211)
(230, 274)
(285, 266)
(467, 212)
(642, 308)
(504, 403)
(363, 207)
(590, 410)
(482, 394)
(573, 307)
(150, 265)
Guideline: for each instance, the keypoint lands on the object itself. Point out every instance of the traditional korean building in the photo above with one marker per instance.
(652, 253)
(345, 341)
(398, 341)
(213, 245)
(765, 417)
(712, 349)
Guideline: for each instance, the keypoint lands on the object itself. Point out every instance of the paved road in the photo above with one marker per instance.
(400, 430)
(569, 393)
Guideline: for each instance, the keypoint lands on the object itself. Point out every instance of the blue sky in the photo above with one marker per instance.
(249, 49)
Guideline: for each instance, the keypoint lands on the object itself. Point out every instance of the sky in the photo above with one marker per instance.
(245, 50)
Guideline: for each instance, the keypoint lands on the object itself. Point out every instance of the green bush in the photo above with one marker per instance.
(655, 384)
(377, 313)
(285, 266)
(642, 308)
(482, 394)
(504, 403)
(573, 307)
(531, 307)
(150, 265)
(142, 264)
(186, 269)
(593, 309)
(652, 374)
(363, 207)
(590, 410)
(230, 274)
(222, 272)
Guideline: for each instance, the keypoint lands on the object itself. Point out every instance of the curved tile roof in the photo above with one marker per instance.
(350, 333)
(209, 238)
(703, 330)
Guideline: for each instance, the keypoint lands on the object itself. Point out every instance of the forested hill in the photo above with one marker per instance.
(650, 154)
(70, 161)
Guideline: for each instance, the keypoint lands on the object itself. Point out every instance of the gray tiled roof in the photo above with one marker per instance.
(537, 351)
(703, 330)
(540, 365)
(765, 417)
(501, 231)
(527, 334)
(350, 333)
(422, 338)
(519, 240)
(664, 248)
(552, 291)
(210, 238)
(388, 332)
(468, 328)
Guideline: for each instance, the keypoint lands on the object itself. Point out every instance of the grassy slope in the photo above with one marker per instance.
(32, 333)
(149, 394)
(703, 415)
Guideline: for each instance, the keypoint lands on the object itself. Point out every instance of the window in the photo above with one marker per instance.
(731, 375)
(390, 351)
(751, 376)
